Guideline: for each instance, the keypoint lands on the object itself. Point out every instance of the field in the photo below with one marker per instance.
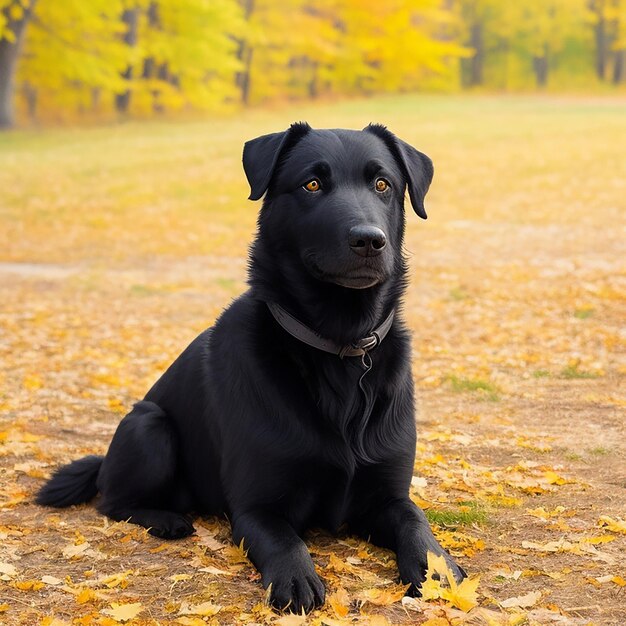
(119, 244)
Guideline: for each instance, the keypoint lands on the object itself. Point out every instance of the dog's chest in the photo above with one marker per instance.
(322, 497)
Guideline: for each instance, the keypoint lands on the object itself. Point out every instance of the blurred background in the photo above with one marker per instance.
(68, 60)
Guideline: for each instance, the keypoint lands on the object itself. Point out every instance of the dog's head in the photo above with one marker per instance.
(334, 199)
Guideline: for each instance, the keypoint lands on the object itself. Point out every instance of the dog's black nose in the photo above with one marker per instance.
(367, 240)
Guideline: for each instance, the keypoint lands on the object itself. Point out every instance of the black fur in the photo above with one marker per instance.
(252, 423)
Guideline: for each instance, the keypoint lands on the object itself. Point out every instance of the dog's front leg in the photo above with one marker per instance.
(402, 527)
(282, 559)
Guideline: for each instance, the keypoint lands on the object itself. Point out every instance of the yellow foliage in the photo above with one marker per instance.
(461, 595)
(123, 612)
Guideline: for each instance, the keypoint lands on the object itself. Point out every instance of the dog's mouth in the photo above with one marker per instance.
(361, 281)
(362, 277)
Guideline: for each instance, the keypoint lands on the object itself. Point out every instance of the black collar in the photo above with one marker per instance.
(302, 332)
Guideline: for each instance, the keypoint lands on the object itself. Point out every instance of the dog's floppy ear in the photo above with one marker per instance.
(417, 167)
(260, 156)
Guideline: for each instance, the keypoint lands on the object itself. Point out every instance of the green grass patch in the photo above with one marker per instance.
(573, 371)
(599, 451)
(229, 284)
(457, 294)
(573, 456)
(466, 514)
(541, 374)
(483, 387)
(583, 313)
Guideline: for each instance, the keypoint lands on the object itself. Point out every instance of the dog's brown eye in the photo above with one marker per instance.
(381, 185)
(313, 185)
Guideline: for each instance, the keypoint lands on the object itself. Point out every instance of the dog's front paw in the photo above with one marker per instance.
(168, 525)
(295, 590)
(413, 571)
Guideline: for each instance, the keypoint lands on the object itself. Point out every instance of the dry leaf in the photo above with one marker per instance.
(340, 601)
(615, 525)
(51, 580)
(382, 597)
(461, 595)
(123, 612)
(72, 551)
(8, 570)
(205, 609)
(530, 599)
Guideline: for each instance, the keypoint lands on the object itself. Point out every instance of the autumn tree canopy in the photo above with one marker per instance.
(67, 58)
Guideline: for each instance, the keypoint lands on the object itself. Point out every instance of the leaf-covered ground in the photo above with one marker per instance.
(118, 245)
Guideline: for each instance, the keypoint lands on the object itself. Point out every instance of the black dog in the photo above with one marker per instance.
(296, 409)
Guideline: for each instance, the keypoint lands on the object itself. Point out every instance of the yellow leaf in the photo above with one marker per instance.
(32, 382)
(4, 607)
(339, 601)
(179, 577)
(116, 580)
(205, 609)
(382, 597)
(74, 551)
(191, 621)
(614, 525)
(461, 595)
(28, 585)
(86, 595)
(530, 599)
(123, 612)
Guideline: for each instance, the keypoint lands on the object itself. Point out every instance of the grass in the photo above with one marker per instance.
(458, 294)
(541, 374)
(483, 387)
(599, 451)
(573, 371)
(466, 514)
(123, 191)
(584, 313)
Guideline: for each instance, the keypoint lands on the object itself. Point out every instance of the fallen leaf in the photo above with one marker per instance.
(382, 597)
(530, 599)
(73, 551)
(461, 595)
(51, 580)
(28, 585)
(8, 569)
(205, 609)
(123, 612)
(340, 601)
(614, 525)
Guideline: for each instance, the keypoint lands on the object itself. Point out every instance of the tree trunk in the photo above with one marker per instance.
(619, 72)
(473, 74)
(9, 56)
(601, 37)
(130, 17)
(540, 67)
(244, 56)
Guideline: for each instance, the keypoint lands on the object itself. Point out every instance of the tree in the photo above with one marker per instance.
(542, 28)
(66, 71)
(14, 18)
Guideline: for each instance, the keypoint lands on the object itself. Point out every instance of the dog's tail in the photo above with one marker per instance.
(74, 483)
